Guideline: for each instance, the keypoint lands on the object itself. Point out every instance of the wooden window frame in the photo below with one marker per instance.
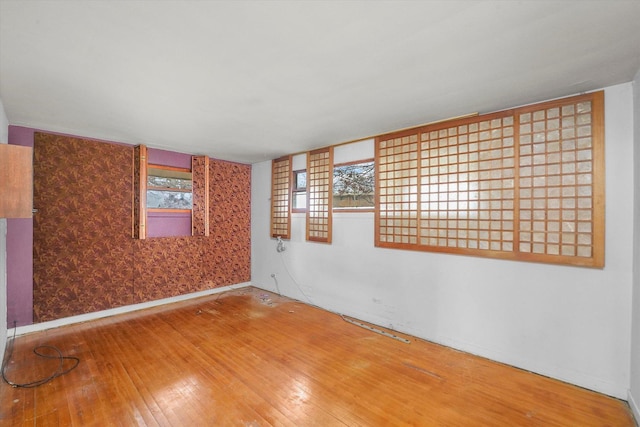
(199, 175)
(423, 180)
(178, 190)
(139, 202)
(297, 190)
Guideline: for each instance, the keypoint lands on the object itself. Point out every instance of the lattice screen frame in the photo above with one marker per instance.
(281, 178)
(139, 202)
(524, 184)
(320, 195)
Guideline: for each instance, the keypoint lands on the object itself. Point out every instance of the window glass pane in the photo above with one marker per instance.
(301, 180)
(353, 186)
(169, 199)
(166, 182)
(168, 188)
(300, 200)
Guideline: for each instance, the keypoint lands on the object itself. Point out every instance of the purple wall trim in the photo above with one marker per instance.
(19, 135)
(20, 252)
(169, 158)
(160, 224)
(19, 271)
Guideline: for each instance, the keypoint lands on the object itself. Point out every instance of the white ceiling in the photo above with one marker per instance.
(252, 80)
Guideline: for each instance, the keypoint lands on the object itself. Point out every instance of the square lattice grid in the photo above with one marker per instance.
(526, 183)
(280, 207)
(319, 189)
(467, 186)
(556, 180)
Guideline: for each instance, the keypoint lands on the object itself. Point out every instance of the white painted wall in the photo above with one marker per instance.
(634, 392)
(4, 138)
(565, 322)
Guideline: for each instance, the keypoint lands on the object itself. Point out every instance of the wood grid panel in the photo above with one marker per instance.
(397, 178)
(560, 151)
(467, 185)
(280, 197)
(319, 194)
(525, 184)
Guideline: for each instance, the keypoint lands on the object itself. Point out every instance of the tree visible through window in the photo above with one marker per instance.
(354, 185)
(169, 188)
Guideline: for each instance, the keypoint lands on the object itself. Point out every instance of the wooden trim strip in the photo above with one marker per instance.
(140, 192)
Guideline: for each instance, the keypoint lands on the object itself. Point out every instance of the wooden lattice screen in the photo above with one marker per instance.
(139, 225)
(280, 197)
(319, 194)
(521, 184)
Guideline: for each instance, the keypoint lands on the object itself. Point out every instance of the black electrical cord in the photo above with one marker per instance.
(59, 372)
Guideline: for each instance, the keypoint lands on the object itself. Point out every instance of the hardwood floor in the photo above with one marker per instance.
(252, 358)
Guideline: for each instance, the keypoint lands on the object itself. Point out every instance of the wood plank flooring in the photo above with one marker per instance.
(252, 358)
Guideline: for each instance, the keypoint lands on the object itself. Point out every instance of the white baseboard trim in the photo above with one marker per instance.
(21, 330)
(635, 409)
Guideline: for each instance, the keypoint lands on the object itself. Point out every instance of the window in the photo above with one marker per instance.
(299, 192)
(354, 186)
(170, 201)
(522, 184)
(169, 188)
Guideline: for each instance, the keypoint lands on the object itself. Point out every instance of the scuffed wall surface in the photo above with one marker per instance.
(84, 257)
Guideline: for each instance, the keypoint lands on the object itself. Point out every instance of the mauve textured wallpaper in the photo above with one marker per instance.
(200, 175)
(85, 259)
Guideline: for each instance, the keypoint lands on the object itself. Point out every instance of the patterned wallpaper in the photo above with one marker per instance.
(84, 257)
(229, 243)
(200, 180)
